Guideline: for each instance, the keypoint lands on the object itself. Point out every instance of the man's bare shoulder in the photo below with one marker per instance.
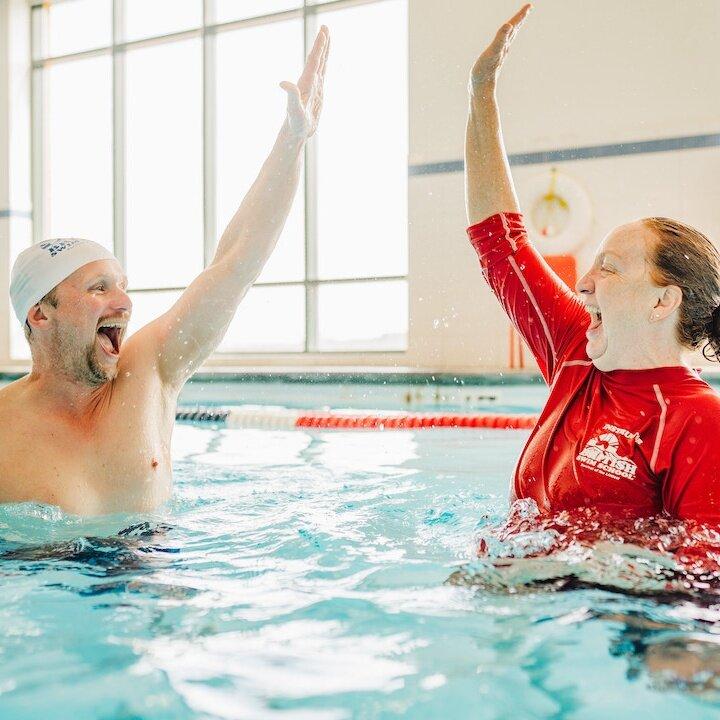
(18, 416)
(11, 394)
(19, 404)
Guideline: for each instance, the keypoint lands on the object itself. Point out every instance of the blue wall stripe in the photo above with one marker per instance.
(689, 142)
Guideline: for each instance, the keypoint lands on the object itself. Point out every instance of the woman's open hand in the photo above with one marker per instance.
(487, 67)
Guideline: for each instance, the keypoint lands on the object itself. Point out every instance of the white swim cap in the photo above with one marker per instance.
(39, 268)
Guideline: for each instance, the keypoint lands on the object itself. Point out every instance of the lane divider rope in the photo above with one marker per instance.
(275, 418)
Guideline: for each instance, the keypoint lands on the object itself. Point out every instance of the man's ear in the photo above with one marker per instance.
(36, 317)
(669, 301)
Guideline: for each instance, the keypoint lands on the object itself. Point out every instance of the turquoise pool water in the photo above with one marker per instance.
(331, 575)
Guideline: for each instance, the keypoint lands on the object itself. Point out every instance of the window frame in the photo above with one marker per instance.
(309, 14)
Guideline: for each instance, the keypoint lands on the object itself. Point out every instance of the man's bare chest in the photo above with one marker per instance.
(117, 459)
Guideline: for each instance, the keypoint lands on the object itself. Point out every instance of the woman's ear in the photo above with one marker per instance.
(669, 301)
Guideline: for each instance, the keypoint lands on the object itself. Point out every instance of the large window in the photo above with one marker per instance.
(152, 118)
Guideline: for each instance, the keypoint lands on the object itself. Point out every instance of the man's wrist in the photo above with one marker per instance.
(290, 139)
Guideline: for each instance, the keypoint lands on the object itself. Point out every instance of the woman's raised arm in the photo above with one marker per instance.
(488, 183)
(541, 307)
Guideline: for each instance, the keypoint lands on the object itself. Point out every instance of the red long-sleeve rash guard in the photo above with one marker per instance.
(638, 441)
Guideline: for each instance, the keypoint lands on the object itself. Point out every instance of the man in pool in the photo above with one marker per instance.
(89, 428)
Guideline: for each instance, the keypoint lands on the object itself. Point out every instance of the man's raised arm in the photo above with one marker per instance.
(190, 331)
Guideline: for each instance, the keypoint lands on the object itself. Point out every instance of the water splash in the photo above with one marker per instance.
(589, 548)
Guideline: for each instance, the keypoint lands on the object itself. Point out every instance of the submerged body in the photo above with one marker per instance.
(635, 442)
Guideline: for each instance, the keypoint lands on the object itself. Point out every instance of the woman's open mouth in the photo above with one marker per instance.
(595, 320)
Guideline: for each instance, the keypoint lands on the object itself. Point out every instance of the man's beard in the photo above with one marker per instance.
(93, 372)
(84, 367)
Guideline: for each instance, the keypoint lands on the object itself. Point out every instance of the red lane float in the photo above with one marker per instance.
(275, 418)
(413, 421)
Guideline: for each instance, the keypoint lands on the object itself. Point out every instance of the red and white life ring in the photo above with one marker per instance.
(557, 211)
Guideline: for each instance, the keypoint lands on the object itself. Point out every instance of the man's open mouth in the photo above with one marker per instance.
(110, 337)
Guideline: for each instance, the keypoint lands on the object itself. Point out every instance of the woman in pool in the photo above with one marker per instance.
(629, 428)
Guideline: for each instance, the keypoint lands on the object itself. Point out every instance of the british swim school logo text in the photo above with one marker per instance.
(57, 246)
(601, 453)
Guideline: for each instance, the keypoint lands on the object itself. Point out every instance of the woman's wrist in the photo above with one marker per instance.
(481, 89)
(483, 101)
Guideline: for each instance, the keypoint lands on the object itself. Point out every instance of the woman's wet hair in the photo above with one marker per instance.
(684, 257)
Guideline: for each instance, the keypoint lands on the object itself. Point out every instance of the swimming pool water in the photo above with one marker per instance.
(305, 575)
(423, 395)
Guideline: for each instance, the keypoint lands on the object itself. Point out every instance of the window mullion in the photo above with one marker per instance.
(118, 105)
(311, 265)
(209, 135)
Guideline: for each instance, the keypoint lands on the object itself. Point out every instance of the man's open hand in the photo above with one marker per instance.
(305, 99)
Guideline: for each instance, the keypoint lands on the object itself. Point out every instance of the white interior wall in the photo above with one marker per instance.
(581, 73)
(457, 323)
(596, 72)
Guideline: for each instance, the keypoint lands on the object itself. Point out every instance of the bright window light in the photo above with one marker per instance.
(163, 165)
(20, 236)
(148, 306)
(363, 316)
(78, 150)
(269, 319)
(180, 127)
(362, 144)
(229, 10)
(147, 18)
(250, 110)
(72, 26)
